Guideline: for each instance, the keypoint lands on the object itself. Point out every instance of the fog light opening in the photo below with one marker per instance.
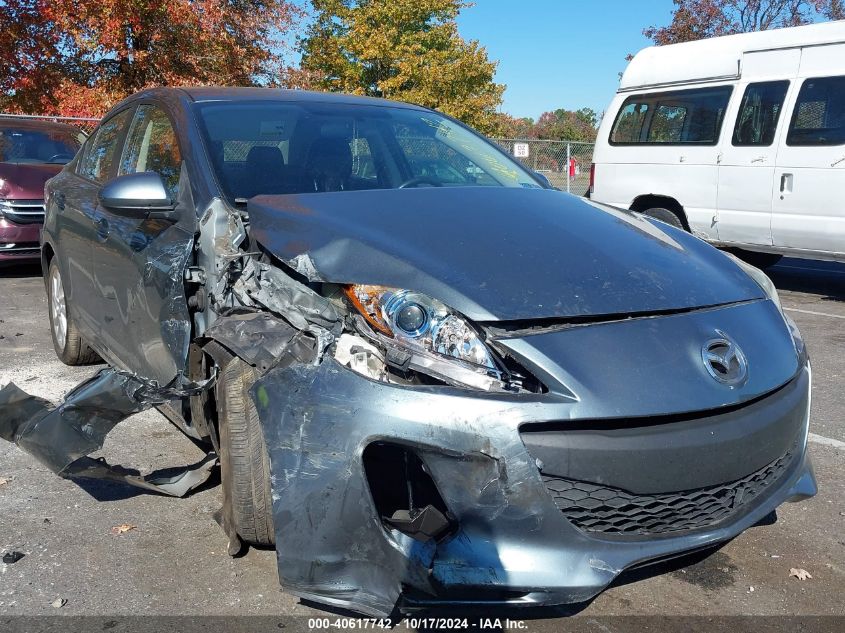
(404, 494)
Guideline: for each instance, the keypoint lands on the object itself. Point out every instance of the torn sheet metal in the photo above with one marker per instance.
(269, 287)
(62, 436)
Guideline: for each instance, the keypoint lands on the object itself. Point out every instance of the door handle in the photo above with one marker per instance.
(760, 159)
(785, 184)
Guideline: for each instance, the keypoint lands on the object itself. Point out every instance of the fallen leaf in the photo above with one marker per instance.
(117, 530)
(4, 481)
(800, 574)
(58, 603)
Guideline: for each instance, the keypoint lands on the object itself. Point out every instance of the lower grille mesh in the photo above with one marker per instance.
(597, 508)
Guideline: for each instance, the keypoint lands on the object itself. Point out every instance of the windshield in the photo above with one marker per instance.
(28, 145)
(298, 147)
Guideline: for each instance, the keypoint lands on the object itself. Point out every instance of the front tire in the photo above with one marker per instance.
(244, 460)
(70, 347)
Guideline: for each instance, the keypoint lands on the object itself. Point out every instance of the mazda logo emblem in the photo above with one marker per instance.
(724, 360)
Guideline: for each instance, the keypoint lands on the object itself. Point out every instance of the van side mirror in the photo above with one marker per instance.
(140, 195)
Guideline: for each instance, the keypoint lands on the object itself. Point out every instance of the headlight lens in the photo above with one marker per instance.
(420, 323)
(761, 278)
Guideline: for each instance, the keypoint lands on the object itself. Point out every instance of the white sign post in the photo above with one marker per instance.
(520, 150)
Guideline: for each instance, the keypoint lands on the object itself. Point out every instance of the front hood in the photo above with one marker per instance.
(498, 253)
(23, 181)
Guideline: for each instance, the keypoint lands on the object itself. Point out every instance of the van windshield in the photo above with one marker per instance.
(277, 147)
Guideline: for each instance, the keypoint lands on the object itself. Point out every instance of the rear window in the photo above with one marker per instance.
(819, 115)
(682, 117)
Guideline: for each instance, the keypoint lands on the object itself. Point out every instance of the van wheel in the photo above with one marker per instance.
(70, 347)
(756, 259)
(244, 460)
(665, 215)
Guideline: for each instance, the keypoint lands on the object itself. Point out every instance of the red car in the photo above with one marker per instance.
(31, 152)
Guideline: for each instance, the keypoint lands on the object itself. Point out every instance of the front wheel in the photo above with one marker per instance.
(70, 347)
(244, 460)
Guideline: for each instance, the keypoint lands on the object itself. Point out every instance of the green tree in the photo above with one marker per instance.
(408, 50)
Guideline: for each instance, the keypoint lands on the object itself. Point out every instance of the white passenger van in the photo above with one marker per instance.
(739, 139)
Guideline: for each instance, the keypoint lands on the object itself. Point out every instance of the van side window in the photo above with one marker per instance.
(680, 117)
(629, 123)
(757, 119)
(819, 115)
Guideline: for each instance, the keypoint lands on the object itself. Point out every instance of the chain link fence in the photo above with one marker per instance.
(565, 163)
(85, 124)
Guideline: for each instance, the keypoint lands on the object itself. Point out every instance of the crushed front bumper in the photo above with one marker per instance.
(512, 543)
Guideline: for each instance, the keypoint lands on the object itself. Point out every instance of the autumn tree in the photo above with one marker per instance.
(408, 50)
(81, 56)
(556, 125)
(698, 19)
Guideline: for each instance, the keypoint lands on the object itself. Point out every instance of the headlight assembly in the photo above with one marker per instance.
(439, 340)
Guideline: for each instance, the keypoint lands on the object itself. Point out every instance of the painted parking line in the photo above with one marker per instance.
(824, 314)
(827, 441)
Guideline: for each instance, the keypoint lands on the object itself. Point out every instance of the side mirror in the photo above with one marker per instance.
(140, 195)
(542, 178)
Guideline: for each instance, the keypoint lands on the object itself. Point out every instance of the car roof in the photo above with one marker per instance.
(24, 123)
(229, 93)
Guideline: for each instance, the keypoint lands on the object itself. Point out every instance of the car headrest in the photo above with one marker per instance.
(263, 156)
(330, 155)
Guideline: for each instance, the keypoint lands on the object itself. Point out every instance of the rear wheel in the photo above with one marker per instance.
(665, 215)
(244, 460)
(70, 347)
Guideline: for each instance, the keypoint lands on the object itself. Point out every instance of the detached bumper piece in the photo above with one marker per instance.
(62, 436)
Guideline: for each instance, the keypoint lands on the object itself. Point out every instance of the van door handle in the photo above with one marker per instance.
(760, 159)
(785, 184)
(836, 162)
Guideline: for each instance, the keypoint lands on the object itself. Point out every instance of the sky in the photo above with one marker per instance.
(560, 53)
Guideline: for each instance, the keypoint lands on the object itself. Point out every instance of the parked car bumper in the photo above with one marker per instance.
(19, 242)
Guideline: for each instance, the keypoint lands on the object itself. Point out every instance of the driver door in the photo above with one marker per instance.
(140, 263)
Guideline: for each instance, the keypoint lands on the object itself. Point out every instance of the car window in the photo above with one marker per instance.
(679, 117)
(299, 147)
(152, 146)
(102, 151)
(33, 144)
(759, 111)
(819, 115)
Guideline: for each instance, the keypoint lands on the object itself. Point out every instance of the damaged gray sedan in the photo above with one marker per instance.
(429, 378)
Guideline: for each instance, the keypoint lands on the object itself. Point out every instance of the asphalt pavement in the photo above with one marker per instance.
(170, 558)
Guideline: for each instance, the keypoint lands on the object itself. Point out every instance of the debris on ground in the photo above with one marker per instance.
(58, 603)
(4, 481)
(117, 530)
(10, 558)
(800, 574)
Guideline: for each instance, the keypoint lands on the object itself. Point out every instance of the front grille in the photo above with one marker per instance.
(23, 211)
(596, 508)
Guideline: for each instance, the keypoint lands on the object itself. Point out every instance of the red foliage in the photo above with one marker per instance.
(79, 57)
